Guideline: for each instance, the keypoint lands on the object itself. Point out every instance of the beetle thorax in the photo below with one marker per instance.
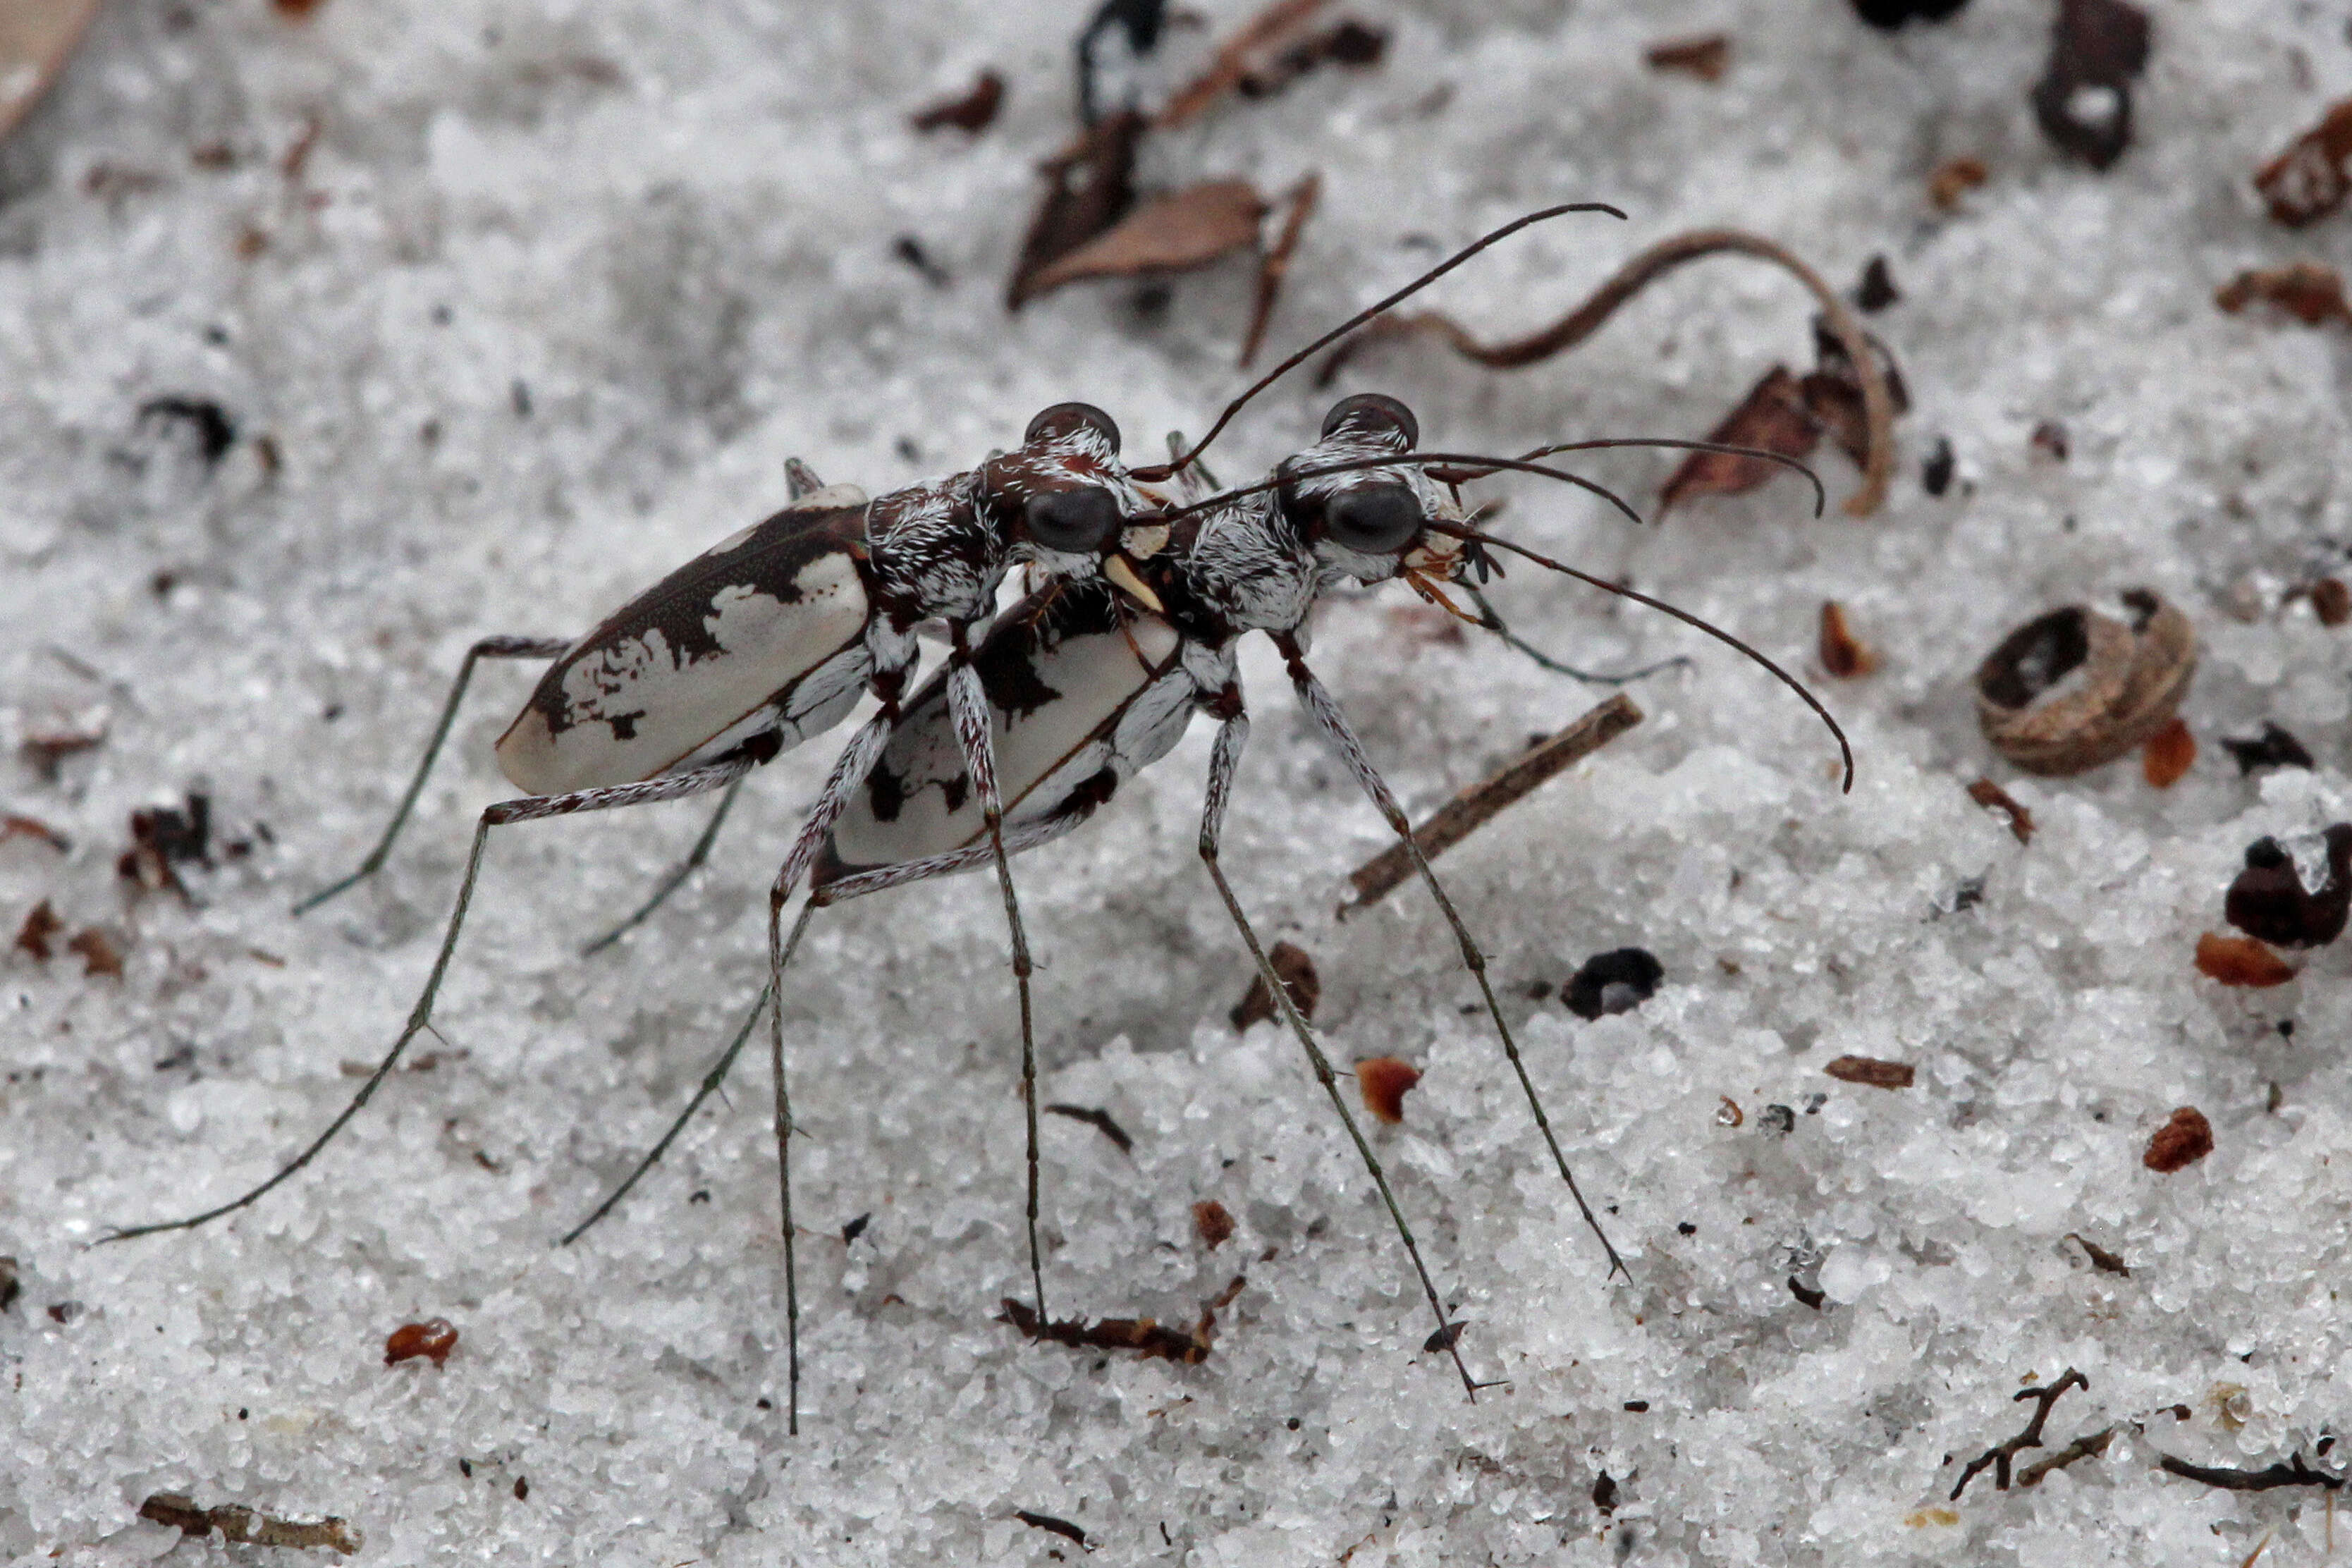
(933, 553)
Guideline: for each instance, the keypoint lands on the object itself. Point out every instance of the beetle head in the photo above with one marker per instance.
(1368, 525)
(1064, 500)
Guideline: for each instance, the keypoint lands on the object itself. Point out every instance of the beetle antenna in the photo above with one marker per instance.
(1846, 749)
(1184, 460)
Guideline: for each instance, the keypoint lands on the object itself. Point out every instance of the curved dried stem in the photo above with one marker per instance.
(1877, 398)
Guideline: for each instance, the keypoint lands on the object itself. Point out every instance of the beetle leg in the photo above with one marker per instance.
(489, 647)
(1233, 734)
(968, 706)
(676, 878)
(530, 808)
(1324, 710)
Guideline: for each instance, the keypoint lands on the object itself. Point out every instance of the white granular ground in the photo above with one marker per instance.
(552, 298)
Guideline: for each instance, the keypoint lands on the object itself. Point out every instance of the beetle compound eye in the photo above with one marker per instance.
(1064, 417)
(1376, 518)
(1086, 518)
(1373, 413)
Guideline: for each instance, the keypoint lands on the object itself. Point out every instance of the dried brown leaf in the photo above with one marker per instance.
(34, 41)
(1772, 416)
(1295, 967)
(1705, 56)
(2240, 961)
(1092, 187)
(1384, 1082)
(1172, 233)
(2179, 1143)
(2269, 899)
(1844, 655)
(2311, 293)
(2308, 182)
(2102, 1260)
(972, 110)
(2168, 754)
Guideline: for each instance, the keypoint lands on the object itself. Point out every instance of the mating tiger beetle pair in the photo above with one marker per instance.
(1147, 579)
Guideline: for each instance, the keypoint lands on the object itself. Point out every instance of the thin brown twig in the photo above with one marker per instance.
(2088, 1446)
(2294, 1472)
(1274, 265)
(1471, 808)
(1999, 1457)
(1878, 400)
(1233, 61)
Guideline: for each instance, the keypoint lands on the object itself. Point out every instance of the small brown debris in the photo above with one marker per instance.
(1473, 807)
(2308, 182)
(1172, 233)
(2240, 961)
(1615, 982)
(18, 826)
(1729, 1114)
(1298, 205)
(1954, 178)
(2169, 753)
(2273, 748)
(2311, 293)
(1705, 56)
(1145, 1336)
(1999, 1457)
(1992, 797)
(522, 1489)
(1296, 970)
(2074, 689)
(972, 110)
(2102, 1260)
(1605, 1492)
(242, 1526)
(97, 950)
(163, 838)
(2179, 1143)
(1099, 1120)
(1060, 1527)
(296, 10)
(39, 926)
(1877, 290)
(433, 1339)
(2331, 601)
(1870, 1071)
(2084, 98)
(2271, 899)
(1806, 1293)
(1844, 655)
(1212, 1224)
(1092, 185)
(1384, 1081)
(2049, 440)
